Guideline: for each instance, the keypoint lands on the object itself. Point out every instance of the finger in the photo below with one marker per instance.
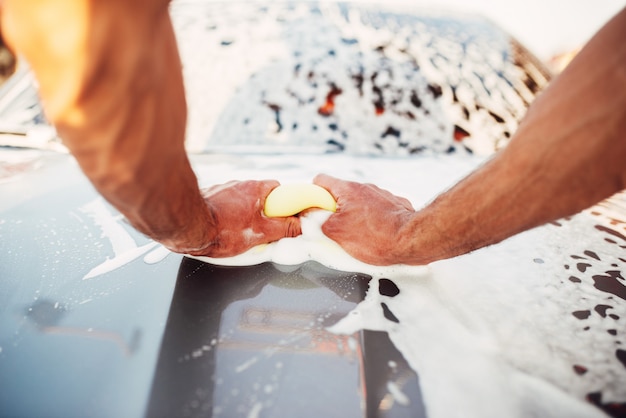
(268, 185)
(335, 186)
(407, 204)
(265, 189)
(277, 228)
(325, 181)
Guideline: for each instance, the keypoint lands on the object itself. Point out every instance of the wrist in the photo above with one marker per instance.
(423, 239)
(198, 234)
(411, 242)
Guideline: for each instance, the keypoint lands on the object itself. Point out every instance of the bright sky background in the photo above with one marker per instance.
(546, 27)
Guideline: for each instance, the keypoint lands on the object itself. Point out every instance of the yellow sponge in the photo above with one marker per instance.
(290, 199)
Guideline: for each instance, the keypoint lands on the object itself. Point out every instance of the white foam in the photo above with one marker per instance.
(125, 249)
(119, 260)
(112, 230)
(492, 330)
(311, 245)
(258, 83)
(457, 357)
(157, 255)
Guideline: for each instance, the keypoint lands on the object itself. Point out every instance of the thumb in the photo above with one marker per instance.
(325, 181)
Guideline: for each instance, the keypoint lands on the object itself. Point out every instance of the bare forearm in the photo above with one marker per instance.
(140, 164)
(114, 91)
(569, 153)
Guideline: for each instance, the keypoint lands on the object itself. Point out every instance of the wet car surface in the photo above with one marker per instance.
(97, 320)
(267, 326)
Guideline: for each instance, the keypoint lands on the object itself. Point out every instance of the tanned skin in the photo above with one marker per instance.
(111, 83)
(568, 154)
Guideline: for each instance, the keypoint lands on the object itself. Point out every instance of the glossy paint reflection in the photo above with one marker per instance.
(253, 341)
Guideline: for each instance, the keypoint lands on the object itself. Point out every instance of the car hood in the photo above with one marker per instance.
(97, 320)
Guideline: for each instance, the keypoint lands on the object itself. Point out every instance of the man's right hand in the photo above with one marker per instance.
(368, 222)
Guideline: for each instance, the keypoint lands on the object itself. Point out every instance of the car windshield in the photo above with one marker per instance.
(338, 78)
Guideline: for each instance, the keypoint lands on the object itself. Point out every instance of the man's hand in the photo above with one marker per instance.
(368, 221)
(237, 210)
(567, 154)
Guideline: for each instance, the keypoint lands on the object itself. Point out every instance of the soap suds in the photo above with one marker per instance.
(488, 329)
(311, 245)
(119, 260)
(349, 78)
(117, 233)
